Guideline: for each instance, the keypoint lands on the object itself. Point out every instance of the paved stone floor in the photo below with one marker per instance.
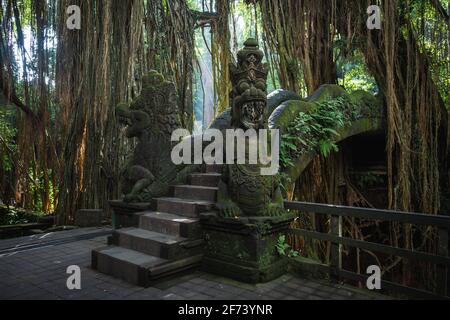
(35, 268)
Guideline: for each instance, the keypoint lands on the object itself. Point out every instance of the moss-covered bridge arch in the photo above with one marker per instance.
(368, 119)
(285, 107)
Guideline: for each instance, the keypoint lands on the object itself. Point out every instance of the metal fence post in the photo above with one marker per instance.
(442, 270)
(336, 248)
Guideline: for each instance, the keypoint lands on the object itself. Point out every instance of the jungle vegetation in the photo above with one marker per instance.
(61, 148)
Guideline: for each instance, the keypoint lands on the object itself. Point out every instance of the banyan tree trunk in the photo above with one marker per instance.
(301, 32)
(94, 69)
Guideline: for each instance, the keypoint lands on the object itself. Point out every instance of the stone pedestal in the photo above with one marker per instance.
(126, 215)
(245, 248)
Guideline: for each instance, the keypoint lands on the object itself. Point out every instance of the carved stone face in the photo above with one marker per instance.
(252, 115)
(155, 111)
(249, 95)
(253, 112)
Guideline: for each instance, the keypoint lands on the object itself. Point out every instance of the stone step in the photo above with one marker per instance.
(183, 207)
(196, 192)
(205, 179)
(214, 168)
(170, 224)
(156, 244)
(138, 268)
(126, 215)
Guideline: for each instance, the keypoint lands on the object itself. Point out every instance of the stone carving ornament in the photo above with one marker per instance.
(243, 191)
(150, 118)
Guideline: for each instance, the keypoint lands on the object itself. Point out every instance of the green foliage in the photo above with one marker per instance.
(37, 187)
(352, 71)
(7, 138)
(431, 41)
(193, 4)
(327, 146)
(282, 246)
(316, 131)
(284, 249)
(12, 216)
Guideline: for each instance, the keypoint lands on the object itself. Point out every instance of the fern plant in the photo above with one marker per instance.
(316, 131)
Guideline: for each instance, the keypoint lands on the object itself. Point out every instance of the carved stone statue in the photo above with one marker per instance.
(243, 191)
(151, 118)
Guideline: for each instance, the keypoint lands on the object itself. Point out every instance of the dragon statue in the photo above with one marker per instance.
(243, 191)
(244, 234)
(150, 118)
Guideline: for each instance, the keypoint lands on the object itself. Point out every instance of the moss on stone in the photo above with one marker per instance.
(327, 92)
(283, 115)
(363, 113)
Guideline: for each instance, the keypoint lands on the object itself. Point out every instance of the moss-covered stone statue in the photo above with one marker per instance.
(243, 191)
(242, 236)
(151, 118)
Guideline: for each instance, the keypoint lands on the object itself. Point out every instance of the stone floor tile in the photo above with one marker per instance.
(40, 273)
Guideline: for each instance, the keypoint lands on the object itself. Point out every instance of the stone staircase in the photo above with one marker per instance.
(167, 241)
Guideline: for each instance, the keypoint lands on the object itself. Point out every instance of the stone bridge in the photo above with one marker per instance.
(284, 106)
